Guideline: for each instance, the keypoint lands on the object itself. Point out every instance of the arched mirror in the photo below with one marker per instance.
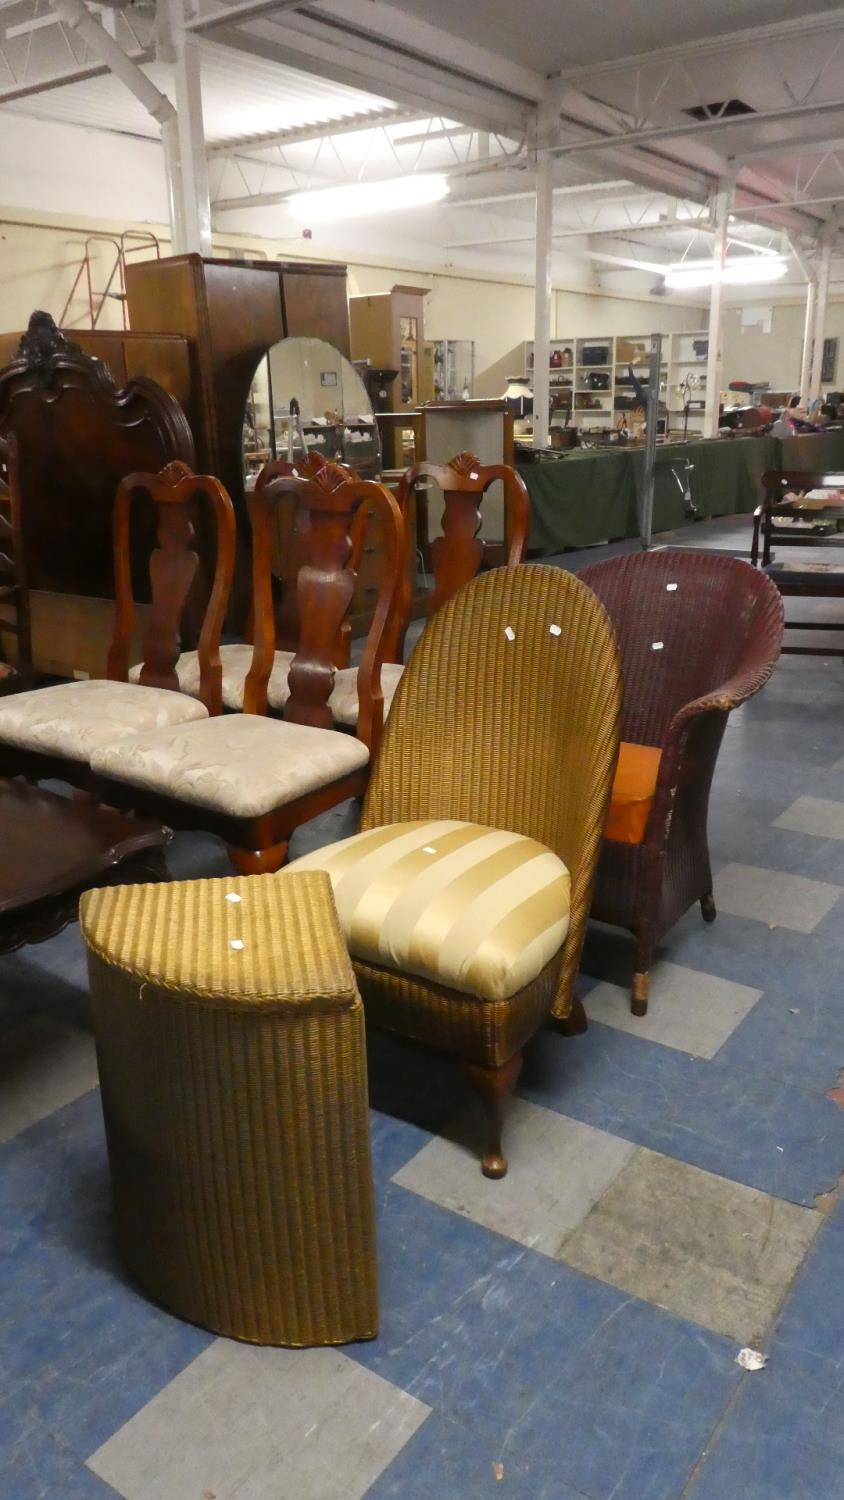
(306, 396)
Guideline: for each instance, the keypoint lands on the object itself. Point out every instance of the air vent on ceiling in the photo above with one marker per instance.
(722, 110)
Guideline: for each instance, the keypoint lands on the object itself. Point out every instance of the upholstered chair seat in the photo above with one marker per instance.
(237, 659)
(240, 765)
(75, 719)
(633, 792)
(477, 909)
(344, 696)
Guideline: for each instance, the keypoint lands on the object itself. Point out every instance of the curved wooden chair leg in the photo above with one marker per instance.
(494, 1086)
(258, 861)
(707, 907)
(575, 1023)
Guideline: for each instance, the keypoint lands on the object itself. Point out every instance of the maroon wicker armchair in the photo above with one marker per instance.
(698, 634)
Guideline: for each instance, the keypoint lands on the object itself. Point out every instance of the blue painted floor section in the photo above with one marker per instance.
(543, 1383)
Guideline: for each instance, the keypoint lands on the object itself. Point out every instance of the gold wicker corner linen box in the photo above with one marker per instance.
(230, 1042)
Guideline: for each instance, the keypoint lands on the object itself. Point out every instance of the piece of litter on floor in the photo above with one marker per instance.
(498, 1471)
(795, 1011)
(237, 944)
(780, 1148)
(772, 926)
(751, 1359)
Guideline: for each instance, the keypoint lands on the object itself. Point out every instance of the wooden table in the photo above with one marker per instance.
(52, 849)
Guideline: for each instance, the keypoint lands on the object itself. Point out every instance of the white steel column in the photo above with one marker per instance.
(178, 46)
(173, 172)
(821, 298)
(714, 362)
(547, 131)
(808, 341)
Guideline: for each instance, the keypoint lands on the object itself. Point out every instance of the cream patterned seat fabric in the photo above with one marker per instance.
(344, 698)
(241, 764)
(477, 909)
(76, 718)
(236, 661)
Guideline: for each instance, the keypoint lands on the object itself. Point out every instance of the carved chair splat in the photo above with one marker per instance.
(459, 553)
(331, 504)
(175, 494)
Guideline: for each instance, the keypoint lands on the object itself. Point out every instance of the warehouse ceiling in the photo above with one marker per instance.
(649, 114)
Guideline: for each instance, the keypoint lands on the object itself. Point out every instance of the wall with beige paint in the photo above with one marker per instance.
(751, 353)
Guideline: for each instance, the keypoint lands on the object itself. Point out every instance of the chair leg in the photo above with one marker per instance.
(707, 907)
(639, 994)
(494, 1086)
(258, 861)
(575, 1023)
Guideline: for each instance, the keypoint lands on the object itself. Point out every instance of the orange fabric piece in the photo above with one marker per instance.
(632, 792)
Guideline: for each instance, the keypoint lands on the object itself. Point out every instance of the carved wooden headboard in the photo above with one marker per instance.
(77, 436)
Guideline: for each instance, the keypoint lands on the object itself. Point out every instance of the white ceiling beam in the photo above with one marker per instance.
(429, 92)
(236, 15)
(280, 196)
(802, 145)
(754, 211)
(416, 38)
(570, 190)
(70, 75)
(694, 128)
(317, 131)
(753, 38)
(628, 231)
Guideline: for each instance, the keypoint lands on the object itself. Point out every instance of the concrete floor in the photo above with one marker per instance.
(569, 1333)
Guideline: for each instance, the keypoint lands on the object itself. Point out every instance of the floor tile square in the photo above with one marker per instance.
(691, 1011)
(815, 815)
(558, 1169)
(43, 1065)
(249, 1423)
(773, 896)
(713, 1251)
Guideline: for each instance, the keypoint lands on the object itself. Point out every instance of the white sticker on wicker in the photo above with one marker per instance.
(556, 629)
(657, 645)
(509, 632)
(237, 944)
(233, 897)
(671, 588)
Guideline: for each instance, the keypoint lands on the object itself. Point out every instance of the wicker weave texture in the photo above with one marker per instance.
(699, 633)
(484, 1032)
(507, 715)
(237, 1114)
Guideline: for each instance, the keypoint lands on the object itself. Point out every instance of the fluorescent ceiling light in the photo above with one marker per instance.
(361, 198)
(749, 270)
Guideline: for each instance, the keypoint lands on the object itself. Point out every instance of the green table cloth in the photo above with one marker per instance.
(593, 495)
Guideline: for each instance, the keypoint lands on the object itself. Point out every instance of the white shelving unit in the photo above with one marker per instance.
(595, 409)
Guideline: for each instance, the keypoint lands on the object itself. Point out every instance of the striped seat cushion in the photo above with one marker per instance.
(474, 909)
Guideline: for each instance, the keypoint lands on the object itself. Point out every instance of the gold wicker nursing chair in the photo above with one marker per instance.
(464, 897)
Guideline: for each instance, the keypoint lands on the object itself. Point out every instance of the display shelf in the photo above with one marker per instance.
(622, 352)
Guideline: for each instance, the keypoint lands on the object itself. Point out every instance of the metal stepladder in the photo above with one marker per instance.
(131, 241)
